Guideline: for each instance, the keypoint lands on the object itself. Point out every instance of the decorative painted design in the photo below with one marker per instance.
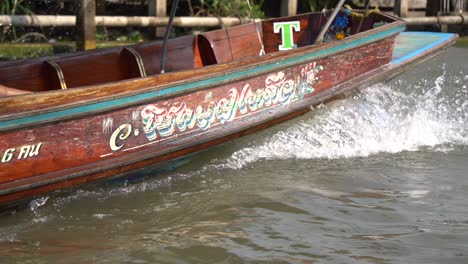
(119, 136)
(107, 125)
(24, 152)
(286, 29)
(165, 119)
(135, 116)
(279, 90)
(208, 97)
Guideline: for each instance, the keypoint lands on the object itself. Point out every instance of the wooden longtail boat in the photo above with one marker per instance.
(71, 119)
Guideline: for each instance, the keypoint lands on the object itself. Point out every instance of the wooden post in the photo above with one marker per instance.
(288, 7)
(432, 8)
(401, 8)
(158, 8)
(86, 26)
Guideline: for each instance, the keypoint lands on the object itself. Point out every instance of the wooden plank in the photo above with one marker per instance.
(158, 8)
(86, 26)
(412, 4)
(288, 7)
(432, 8)
(121, 21)
(234, 43)
(181, 55)
(401, 8)
(414, 44)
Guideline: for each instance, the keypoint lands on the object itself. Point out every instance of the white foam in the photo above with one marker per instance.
(378, 119)
(36, 203)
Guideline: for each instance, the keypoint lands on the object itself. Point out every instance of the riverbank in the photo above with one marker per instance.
(462, 42)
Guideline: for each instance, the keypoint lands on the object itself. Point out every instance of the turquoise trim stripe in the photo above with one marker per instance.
(419, 42)
(102, 106)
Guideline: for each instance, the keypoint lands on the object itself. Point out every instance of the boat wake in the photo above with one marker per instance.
(388, 118)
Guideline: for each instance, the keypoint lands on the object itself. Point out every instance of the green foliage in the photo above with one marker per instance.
(105, 35)
(11, 51)
(462, 42)
(102, 34)
(15, 7)
(16, 51)
(225, 8)
(136, 36)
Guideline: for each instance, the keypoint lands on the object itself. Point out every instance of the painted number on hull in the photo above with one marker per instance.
(23, 152)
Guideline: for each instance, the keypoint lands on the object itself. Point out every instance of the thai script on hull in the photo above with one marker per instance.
(159, 121)
(279, 90)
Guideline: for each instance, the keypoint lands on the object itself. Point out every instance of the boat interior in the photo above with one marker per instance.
(107, 65)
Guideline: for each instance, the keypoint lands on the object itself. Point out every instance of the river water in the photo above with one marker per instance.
(379, 177)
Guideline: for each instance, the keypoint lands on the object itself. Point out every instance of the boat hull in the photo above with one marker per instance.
(61, 148)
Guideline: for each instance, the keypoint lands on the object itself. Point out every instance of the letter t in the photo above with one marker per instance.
(286, 29)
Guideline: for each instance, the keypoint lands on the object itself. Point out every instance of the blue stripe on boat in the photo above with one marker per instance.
(412, 44)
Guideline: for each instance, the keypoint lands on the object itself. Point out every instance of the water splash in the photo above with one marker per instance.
(36, 203)
(382, 118)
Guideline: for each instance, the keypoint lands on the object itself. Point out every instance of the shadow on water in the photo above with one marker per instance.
(378, 177)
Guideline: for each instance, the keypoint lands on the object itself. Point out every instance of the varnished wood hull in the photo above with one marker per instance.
(65, 139)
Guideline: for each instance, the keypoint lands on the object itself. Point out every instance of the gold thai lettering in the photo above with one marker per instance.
(168, 120)
(280, 88)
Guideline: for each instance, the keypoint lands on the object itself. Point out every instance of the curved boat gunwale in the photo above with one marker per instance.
(60, 100)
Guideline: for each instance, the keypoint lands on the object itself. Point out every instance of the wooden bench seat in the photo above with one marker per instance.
(28, 76)
(121, 63)
(234, 43)
(182, 54)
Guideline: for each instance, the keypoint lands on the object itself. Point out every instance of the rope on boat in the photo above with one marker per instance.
(175, 3)
(362, 20)
(262, 50)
